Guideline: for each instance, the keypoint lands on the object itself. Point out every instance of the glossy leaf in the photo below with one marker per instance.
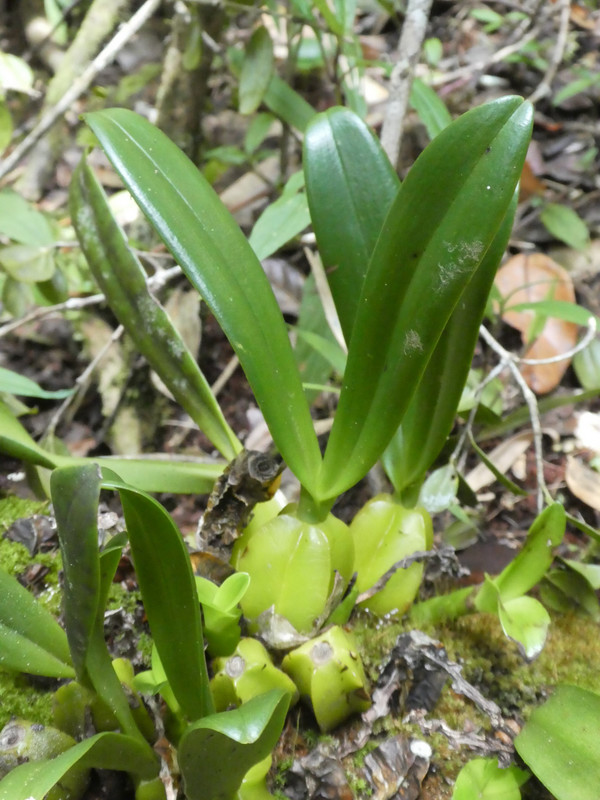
(121, 278)
(215, 753)
(440, 226)
(560, 743)
(168, 589)
(32, 781)
(217, 259)
(257, 69)
(526, 622)
(350, 184)
(30, 638)
(431, 413)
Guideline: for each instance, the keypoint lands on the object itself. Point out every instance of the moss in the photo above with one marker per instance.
(20, 698)
(13, 508)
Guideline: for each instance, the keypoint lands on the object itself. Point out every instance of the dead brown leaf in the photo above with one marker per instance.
(530, 279)
(583, 482)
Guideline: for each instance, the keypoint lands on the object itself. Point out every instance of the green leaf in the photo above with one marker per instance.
(257, 69)
(500, 476)
(328, 348)
(586, 364)
(288, 105)
(34, 780)
(432, 410)
(483, 779)
(560, 309)
(30, 638)
(439, 490)
(14, 383)
(526, 622)
(281, 221)
(28, 263)
(121, 278)
(230, 743)
(350, 185)
(75, 494)
(560, 743)
(440, 226)
(430, 108)
(217, 259)
(6, 126)
(20, 222)
(565, 224)
(168, 589)
(532, 562)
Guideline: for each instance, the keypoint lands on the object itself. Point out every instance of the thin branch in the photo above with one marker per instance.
(545, 86)
(409, 48)
(79, 86)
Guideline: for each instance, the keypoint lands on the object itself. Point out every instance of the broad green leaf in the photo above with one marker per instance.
(216, 257)
(560, 743)
(257, 69)
(75, 494)
(15, 74)
(566, 590)
(565, 224)
(281, 221)
(31, 640)
(430, 108)
(483, 779)
(288, 105)
(350, 185)
(526, 622)
(432, 410)
(28, 263)
(531, 563)
(215, 753)
(20, 222)
(34, 780)
(122, 280)
(168, 589)
(14, 383)
(440, 226)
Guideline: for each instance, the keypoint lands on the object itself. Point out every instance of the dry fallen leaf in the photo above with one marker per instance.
(502, 457)
(583, 482)
(531, 279)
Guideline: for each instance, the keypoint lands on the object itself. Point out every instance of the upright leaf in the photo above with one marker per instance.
(430, 415)
(350, 184)
(257, 69)
(168, 589)
(437, 232)
(216, 257)
(121, 278)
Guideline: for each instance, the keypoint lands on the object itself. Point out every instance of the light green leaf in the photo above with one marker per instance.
(27, 263)
(560, 743)
(231, 743)
(34, 780)
(439, 490)
(216, 257)
(587, 366)
(6, 126)
(30, 638)
(257, 69)
(288, 105)
(526, 622)
(483, 779)
(14, 383)
(15, 74)
(20, 222)
(281, 221)
(565, 224)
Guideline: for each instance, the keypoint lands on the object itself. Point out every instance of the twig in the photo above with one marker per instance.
(509, 360)
(82, 83)
(82, 379)
(557, 56)
(326, 297)
(154, 283)
(409, 48)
